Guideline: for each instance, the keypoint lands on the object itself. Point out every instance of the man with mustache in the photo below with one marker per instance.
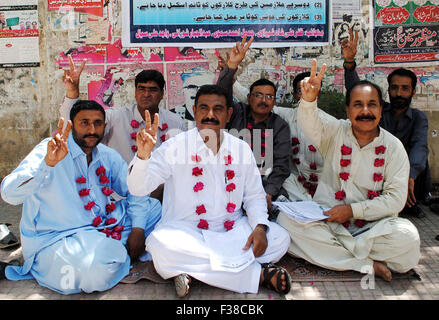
(269, 133)
(210, 177)
(124, 122)
(363, 185)
(408, 124)
(75, 236)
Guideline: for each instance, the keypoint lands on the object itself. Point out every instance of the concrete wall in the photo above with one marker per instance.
(29, 97)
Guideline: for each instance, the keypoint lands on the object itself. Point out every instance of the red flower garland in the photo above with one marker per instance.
(201, 209)
(379, 162)
(311, 187)
(110, 207)
(135, 125)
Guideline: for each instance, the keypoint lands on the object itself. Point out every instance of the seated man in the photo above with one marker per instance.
(267, 129)
(208, 176)
(364, 182)
(73, 233)
(123, 123)
(305, 161)
(408, 124)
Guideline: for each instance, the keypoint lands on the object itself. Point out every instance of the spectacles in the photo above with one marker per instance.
(259, 95)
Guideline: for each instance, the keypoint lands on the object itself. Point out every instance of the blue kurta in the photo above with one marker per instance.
(62, 249)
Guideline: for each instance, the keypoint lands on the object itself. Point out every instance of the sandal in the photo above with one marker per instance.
(3, 266)
(268, 276)
(7, 238)
(182, 282)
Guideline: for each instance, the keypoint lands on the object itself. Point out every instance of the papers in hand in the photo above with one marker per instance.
(302, 211)
(225, 249)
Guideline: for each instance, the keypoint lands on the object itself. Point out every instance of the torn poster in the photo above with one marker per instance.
(95, 7)
(19, 34)
(219, 24)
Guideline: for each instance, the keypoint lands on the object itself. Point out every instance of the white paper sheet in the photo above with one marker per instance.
(302, 211)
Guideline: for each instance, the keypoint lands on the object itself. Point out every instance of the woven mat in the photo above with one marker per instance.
(301, 270)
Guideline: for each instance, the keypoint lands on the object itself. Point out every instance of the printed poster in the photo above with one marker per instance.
(219, 24)
(406, 32)
(95, 7)
(19, 34)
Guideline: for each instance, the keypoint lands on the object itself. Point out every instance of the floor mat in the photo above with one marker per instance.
(301, 270)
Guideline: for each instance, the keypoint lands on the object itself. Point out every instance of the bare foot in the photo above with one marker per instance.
(382, 271)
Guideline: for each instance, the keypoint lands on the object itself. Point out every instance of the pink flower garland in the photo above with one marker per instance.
(199, 186)
(371, 194)
(110, 206)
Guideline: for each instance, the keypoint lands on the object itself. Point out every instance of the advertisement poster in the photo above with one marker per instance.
(215, 24)
(406, 31)
(19, 34)
(95, 7)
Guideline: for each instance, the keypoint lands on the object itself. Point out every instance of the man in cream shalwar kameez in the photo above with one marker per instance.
(205, 191)
(370, 179)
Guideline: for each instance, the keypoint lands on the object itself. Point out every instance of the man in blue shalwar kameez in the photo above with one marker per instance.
(75, 235)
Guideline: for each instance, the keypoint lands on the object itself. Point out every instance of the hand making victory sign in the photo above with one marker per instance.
(237, 54)
(311, 86)
(57, 147)
(72, 77)
(350, 46)
(147, 137)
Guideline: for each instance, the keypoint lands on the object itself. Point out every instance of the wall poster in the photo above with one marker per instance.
(19, 34)
(215, 24)
(405, 31)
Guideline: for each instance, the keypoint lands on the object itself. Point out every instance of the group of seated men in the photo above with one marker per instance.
(197, 202)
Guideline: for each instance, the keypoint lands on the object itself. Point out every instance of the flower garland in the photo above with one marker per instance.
(199, 186)
(135, 125)
(344, 176)
(312, 182)
(264, 134)
(115, 232)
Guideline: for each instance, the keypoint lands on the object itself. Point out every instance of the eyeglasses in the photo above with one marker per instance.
(259, 95)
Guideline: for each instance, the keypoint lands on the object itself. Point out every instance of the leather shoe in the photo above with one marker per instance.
(414, 211)
(434, 207)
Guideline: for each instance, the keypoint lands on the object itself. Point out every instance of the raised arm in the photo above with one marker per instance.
(349, 47)
(71, 80)
(235, 57)
(142, 181)
(26, 179)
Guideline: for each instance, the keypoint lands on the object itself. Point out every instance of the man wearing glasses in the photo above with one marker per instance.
(266, 132)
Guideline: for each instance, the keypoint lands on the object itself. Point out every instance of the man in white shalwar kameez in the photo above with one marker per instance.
(364, 182)
(208, 176)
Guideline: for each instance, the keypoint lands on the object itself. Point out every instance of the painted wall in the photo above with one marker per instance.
(30, 97)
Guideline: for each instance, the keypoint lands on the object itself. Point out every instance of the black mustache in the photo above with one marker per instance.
(210, 120)
(91, 135)
(263, 104)
(365, 117)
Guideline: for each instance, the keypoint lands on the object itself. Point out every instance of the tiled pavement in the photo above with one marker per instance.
(427, 289)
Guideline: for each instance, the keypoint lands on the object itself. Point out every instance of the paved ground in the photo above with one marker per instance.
(427, 289)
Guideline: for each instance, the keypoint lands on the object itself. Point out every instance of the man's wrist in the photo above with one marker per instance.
(263, 227)
(72, 94)
(349, 65)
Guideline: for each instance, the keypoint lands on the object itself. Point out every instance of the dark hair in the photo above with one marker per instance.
(364, 83)
(85, 105)
(299, 78)
(150, 75)
(403, 73)
(263, 82)
(212, 89)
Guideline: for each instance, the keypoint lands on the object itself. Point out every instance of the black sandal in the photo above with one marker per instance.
(279, 271)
